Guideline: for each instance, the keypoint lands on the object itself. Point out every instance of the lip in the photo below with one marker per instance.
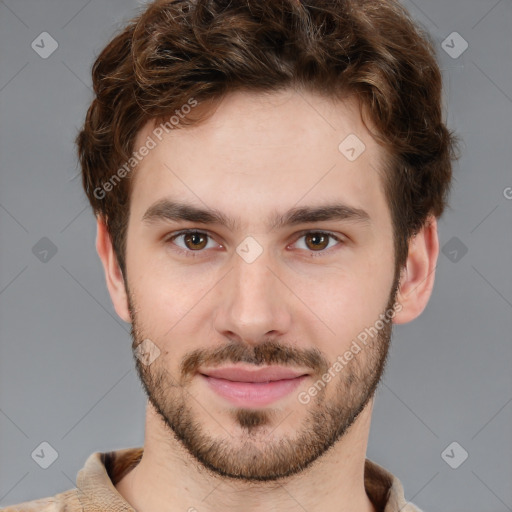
(246, 388)
(241, 374)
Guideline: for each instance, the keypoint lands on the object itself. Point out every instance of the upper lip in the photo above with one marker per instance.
(239, 374)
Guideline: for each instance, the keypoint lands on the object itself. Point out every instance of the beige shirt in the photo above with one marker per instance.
(95, 491)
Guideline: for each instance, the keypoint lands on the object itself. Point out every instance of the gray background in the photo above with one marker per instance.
(66, 370)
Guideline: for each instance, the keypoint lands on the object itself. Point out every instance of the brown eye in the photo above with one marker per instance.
(317, 241)
(191, 243)
(195, 241)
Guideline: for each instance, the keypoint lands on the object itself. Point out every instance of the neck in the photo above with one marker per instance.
(168, 474)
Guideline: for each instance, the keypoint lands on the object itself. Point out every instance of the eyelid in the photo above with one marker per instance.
(337, 236)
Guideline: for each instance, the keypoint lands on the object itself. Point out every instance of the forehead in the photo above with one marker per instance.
(259, 153)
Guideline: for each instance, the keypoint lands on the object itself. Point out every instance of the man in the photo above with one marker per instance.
(266, 178)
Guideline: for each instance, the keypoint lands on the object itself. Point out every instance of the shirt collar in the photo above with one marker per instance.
(102, 470)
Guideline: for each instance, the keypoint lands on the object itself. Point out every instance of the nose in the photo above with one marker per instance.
(253, 303)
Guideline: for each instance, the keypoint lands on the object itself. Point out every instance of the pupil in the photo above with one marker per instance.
(316, 237)
(196, 239)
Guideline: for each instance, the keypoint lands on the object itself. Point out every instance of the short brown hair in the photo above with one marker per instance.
(203, 49)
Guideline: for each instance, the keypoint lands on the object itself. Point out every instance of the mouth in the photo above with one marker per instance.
(252, 388)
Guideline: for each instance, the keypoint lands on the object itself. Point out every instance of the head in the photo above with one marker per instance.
(243, 108)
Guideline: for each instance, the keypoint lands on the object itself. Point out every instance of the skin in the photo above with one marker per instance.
(260, 153)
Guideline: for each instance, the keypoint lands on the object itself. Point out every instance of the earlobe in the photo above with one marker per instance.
(113, 275)
(417, 279)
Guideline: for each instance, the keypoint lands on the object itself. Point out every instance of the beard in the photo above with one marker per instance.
(256, 453)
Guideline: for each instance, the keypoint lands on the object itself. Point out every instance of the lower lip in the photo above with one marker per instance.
(247, 394)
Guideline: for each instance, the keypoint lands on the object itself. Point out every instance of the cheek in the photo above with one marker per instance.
(169, 301)
(349, 301)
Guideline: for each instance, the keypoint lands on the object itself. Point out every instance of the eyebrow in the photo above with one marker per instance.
(169, 210)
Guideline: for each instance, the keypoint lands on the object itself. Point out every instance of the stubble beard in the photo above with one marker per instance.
(257, 452)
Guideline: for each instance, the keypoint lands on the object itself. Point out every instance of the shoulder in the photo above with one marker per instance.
(63, 502)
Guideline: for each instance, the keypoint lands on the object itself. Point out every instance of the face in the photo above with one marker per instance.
(267, 275)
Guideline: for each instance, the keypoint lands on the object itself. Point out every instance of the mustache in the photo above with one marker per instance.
(267, 353)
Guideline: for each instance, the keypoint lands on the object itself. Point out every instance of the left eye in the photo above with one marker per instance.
(318, 240)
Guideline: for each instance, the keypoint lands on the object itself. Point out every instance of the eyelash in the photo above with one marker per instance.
(193, 254)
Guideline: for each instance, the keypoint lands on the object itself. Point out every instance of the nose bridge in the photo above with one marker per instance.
(253, 304)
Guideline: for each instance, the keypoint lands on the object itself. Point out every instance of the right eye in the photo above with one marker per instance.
(193, 241)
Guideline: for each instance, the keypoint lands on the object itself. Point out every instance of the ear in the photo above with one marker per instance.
(113, 274)
(417, 279)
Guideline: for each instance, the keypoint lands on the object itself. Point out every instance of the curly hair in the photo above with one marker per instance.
(177, 50)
